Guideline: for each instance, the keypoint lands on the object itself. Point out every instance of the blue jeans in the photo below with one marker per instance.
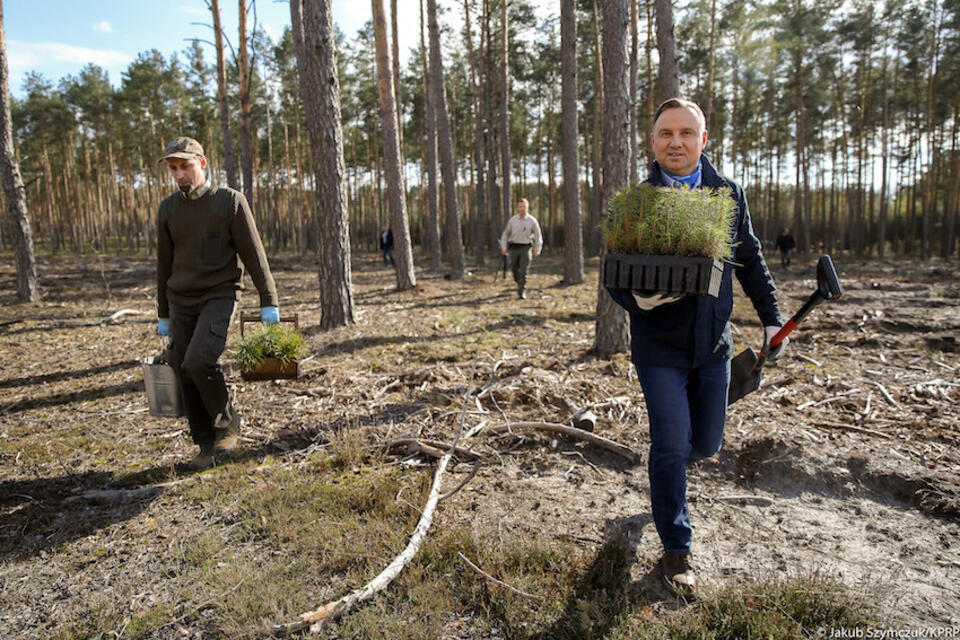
(687, 409)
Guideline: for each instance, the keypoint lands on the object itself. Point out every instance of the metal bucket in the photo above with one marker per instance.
(163, 388)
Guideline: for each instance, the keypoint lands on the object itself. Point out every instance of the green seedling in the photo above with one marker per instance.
(269, 341)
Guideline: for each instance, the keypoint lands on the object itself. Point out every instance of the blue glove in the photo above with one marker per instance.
(269, 315)
(163, 327)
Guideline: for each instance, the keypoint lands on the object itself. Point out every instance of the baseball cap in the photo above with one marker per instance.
(182, 147)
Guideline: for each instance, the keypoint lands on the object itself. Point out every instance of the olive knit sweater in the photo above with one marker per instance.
(200, 245)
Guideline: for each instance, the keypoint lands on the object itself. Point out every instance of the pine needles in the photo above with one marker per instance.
(269, 341)
(645, 219)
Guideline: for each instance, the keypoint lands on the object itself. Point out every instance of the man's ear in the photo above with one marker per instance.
(203, 162)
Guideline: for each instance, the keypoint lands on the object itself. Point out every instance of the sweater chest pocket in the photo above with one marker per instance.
(211, 249)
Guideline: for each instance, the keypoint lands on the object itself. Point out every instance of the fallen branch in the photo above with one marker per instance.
(850, 427)
(800, 356)
(571, 432)
(886, 395)
(495, 581)
(432, 448)
(814, 403)
(119, 314)
(318, 619)
(759, 501)
(121, 496)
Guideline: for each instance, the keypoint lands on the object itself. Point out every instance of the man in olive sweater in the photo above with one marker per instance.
(203, 234)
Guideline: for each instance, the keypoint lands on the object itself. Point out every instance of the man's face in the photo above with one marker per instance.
(522, 208)
(188, 172)
(678, 138)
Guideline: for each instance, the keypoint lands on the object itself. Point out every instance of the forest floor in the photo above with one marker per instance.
(841, 475)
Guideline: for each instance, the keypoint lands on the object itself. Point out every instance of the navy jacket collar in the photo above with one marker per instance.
(709, 175)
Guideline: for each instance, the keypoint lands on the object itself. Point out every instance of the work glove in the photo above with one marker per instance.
(163, 327)
(269, 315)
(769, 332)
(653, 300)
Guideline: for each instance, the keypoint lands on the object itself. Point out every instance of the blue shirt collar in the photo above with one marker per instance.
(694, 180)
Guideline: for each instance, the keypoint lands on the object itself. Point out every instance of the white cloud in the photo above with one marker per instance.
(103, 27)
(26, 56)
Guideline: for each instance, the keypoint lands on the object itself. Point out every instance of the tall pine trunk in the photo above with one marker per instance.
(312, 26)
(406, 279)
(505, 162)
(668, 84)
(246, 133)
(611, 328)
(454, 240)
(13, 189)
(229, 158)
(430, 122)
(572, 225)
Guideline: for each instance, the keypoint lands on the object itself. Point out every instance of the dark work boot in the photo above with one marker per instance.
(678, 572)
(226, 429)
(521, 293)
(203, 460)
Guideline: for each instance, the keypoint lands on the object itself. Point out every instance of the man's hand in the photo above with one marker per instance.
(504, 251)
(269, 315)
(654, 300)
(773, 354)
(163, 327)
(536, 253)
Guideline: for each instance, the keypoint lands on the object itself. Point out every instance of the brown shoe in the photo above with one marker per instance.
(226, 430)
(203, 460)
(679, 573)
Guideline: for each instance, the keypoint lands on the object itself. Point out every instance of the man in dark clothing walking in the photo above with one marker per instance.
(386, 245)
(786, 244)
(203, 234)
(681, 346)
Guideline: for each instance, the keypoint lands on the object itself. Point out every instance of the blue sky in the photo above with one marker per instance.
(59, 37)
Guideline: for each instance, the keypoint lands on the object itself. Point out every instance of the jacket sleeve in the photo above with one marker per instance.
(751, 269)
(246, 239)
(537, 236)
(164, 263)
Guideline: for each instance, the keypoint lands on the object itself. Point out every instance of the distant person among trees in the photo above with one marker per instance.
(203, 233)
(786, 244)
(386, 244)
(521, 234)
(681, 346)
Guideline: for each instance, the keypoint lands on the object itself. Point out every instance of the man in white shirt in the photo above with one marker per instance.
(521, 234)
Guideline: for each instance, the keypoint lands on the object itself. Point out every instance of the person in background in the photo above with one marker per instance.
(681, 345)
(204, 232)
(386, 244)
(520, 236)
(786, 244)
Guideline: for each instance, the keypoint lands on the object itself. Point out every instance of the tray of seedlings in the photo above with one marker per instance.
(272, 351)
(667, 240)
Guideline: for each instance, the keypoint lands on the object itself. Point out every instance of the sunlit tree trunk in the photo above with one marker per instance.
(312, 26)
(572, 224)
(229, 158)
(505, 162)
(611, 328)
(246, 134)
(13, 189)
(403, 259)
(482, 220)
(433, 194)
(454, 241)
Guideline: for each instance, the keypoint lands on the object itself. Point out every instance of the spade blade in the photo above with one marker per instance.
(744, 375)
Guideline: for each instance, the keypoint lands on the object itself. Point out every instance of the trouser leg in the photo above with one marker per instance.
(665, 393)
(686, 409)
(199, 338)
(520, 264)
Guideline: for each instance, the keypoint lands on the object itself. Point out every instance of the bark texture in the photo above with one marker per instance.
(572, 222)
(611, 331)
(454, 241)
(13, 190)
(668, 84)
(229, 157)
(403, 257)
(312, 26)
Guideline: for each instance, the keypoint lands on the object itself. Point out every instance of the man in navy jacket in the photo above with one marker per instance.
(681, 346)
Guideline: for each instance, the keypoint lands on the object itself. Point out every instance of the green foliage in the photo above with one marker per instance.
(645, 219)
(269, 341)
